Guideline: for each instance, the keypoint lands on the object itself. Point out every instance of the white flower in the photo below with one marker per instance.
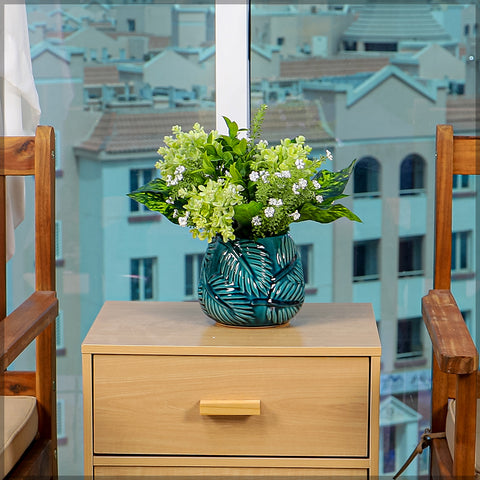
(256, 221)
(329, 154)
(302, 183)
(169, 200)
(299, 163)
(316, 184)
(295, 189)
(179, 170)
(175, 213)
(182, 221)
(254, 176)
(319, 198)
(276, 202)
(264, 176)
(295, 215)
(283, 174)
(269, 212)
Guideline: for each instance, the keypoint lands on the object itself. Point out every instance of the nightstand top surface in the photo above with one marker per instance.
(173, 328)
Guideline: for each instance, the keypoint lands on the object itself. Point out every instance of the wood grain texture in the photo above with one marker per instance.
(18, 383)
(452, 344)
(252, 473)
(310, 406)
(230, 407)
(18, 156)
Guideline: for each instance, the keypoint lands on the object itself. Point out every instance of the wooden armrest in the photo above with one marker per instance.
(24, 324)
(453, 346)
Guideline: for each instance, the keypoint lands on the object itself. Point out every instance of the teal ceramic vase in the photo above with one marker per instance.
(246, 283)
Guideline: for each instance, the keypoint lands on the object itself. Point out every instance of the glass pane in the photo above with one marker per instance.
(113, 78)
(353, 79)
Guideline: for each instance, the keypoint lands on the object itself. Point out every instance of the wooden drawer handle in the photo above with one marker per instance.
(229, 407)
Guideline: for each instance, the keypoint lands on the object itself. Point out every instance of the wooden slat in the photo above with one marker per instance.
(18, 383)
(45, 209)
(466, 155)
(453, 346)
(452, 386)
(465, 426)
(441, 460)
(25, 323)
(18, 156)
(443, 207)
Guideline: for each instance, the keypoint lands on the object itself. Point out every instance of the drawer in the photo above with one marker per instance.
(309, 406)
(209, 473)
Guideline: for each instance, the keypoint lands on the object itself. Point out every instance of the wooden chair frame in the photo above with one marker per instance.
(455, 357)
(35, 318)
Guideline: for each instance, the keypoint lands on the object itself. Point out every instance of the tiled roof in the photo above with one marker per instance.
(330, 67)
(390, 22)
(293, 119)
(142, 132)
(101, 75)
(464, 114)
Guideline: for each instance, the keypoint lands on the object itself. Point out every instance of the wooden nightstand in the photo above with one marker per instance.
(169, 392)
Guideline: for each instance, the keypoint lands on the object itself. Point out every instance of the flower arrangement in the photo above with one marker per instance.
(242, 188)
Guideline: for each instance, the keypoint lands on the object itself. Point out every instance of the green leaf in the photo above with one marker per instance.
(208, 167)
(232, 127)
(236, 176)
(245, 212)
(154, 195)
(227, 156)
(210, 150)
(326, 214)
(334, 183)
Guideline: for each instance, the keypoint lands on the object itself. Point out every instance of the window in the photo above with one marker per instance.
(462, 182)
(58, 243)
(142, 278)
(366, 177)
(306, 256)
(61, 430)
(139, 177)
(59, 334)
(461, 251)
(131, 24)
(365, 260)
(409, 338)
(410, 253)
(412, 175)
(193, 264)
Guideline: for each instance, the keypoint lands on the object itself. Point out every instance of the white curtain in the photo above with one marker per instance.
(20, 105)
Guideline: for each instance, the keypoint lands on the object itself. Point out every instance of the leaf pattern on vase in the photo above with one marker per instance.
(248, 283)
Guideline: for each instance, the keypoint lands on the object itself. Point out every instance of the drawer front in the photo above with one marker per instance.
(208, 473)
(309, 406)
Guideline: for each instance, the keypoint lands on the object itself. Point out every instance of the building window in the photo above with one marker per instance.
(366, 177)
(139, 177)
(193, 264)
(59, 334)
(142, 278)
(61, 430)
(306, 256)
(59, 262)
(409, 338)
(365, 260)
(462, 182)
(131, 24)
(410, 256)
(461, 251)
(412, 171)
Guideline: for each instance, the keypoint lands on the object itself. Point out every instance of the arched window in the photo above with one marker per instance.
(366, 177)
(412, 172)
